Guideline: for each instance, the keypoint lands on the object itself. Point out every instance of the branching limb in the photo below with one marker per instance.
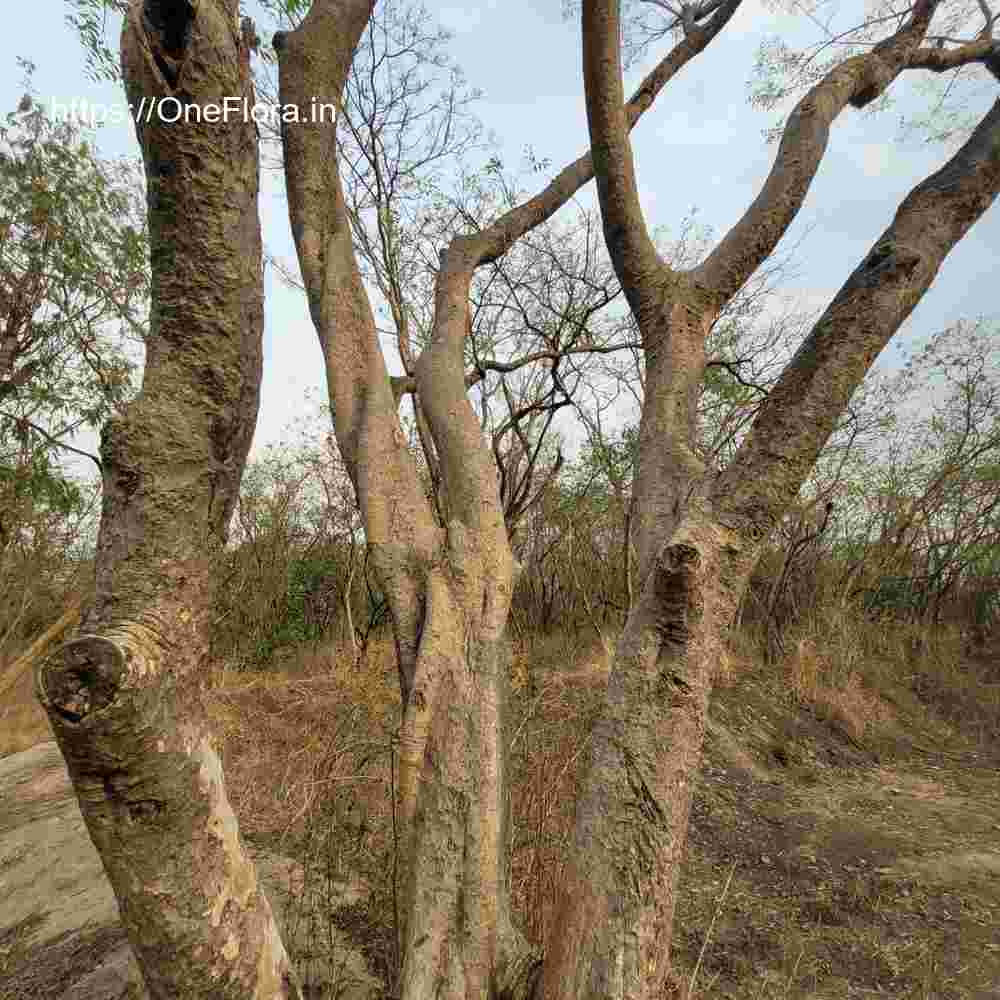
(802, 409)
(856, 81)
(492, 242)
(314, 61)
(940, 60)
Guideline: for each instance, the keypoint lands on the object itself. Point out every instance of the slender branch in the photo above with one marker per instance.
(404, 385)
(856, 81)
(42, 432)
(494, 241)
(735, 372)
(801, 410)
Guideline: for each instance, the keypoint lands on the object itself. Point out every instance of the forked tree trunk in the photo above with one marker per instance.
(124, 697)
(448, 587)
(617, 899)
(698, 545)
(457, 936)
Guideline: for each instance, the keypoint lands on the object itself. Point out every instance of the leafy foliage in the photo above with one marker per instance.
(92, 20)
(73, 300)
(74, 289)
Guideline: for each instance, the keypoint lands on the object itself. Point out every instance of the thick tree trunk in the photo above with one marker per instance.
(617, 900)
(457, 936)
(124, 697)
(613, 935)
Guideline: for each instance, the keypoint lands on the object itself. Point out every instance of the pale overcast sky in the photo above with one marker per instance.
(700, 145)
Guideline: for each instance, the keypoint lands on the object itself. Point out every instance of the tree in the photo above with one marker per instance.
(698, 534)
(69, 332)
(124, 695)
(150, 786)
(69, 221)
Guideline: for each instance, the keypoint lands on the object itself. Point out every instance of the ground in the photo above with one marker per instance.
(860, 869)
(827, 859)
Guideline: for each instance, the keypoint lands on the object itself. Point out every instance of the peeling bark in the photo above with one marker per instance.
(149, 783)
(124, 696)
(703, 537)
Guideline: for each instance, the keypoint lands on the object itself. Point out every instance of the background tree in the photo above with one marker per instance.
(74, 285)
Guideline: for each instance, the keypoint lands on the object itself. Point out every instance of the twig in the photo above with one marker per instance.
(708, 933)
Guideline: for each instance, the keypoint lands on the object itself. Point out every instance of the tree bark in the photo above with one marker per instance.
(697, 550)
(449, 590)
(124, 697)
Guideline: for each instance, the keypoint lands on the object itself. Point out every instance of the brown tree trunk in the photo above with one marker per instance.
(124, 697)
(448, 589)
(619, 892)
(701, 540)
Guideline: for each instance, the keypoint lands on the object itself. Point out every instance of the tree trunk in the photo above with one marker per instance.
(448, 589)
(457, 936)
(613, 933)
(124, 698)
(618, 896)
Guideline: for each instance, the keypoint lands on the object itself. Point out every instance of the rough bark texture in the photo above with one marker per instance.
(698, 537)
(124, 697)
(449, 590)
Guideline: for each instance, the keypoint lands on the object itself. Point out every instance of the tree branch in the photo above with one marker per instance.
(632, 251)
(802, 409)
(856, 81)
(494, 241)
(942, 60)
(313, 62)
(404, 385)
(54, 441)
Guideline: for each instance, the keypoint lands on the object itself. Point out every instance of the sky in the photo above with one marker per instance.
(700, 146)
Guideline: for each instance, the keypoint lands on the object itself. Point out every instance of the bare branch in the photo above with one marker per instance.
(802, 409)
(495, 240)
(51, 439)
(857, 81)
(941, 60)
(734, 370)
(989, 17)
(403, 385)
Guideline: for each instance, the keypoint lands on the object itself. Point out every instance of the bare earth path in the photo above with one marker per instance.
(858, 872)
(60, 938)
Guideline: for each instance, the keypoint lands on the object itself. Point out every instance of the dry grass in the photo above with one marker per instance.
(307, 753)
(834, 693)
(23, 722)
(314, 732)
(558, 685)
(307, 748)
